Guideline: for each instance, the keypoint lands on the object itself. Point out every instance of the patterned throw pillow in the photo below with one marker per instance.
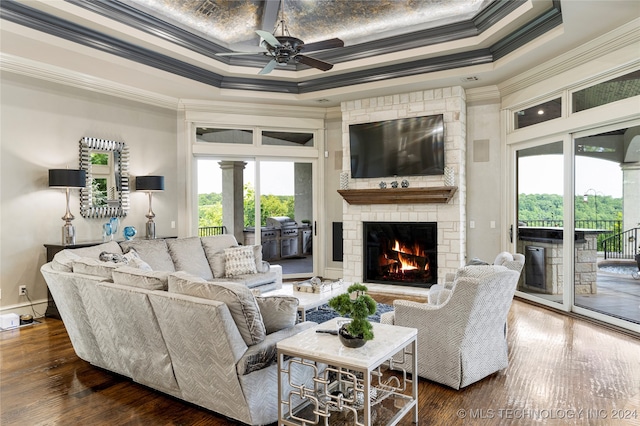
(239, 261)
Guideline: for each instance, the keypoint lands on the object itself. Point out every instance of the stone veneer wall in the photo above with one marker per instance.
(451, 218)
(586, 266)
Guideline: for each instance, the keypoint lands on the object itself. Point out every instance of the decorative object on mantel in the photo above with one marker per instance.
(382, 185)
(449, 177)
(394, 184)
(129, 233)
(67, 179)
(405, 183)
(344, 180)
(357, 305)
(426, 195)
(150, 184)
(316, 285)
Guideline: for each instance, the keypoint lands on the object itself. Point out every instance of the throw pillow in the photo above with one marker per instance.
(238, 298)
(239, 261)
(130, 258)
(154, 252)
(135, 277)
(217, 263)
(278, 312)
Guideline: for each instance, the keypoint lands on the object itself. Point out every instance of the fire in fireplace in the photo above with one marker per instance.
(401, 253)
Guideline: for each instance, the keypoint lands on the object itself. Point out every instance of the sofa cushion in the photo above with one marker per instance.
(238, 298)
(278, 312)
(188, 255)
(89, 266)
(154, 252)
(239, 261)
(62, 261)
(134, 277)
(250, 280)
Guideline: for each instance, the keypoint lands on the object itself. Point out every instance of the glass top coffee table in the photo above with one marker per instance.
(307, 300)
(356, 386)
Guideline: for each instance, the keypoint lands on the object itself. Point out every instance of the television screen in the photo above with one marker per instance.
(403, 147)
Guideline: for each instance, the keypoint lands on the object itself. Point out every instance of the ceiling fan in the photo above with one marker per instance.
(284, 48)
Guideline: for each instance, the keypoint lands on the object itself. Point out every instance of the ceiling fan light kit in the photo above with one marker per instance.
(284, 48)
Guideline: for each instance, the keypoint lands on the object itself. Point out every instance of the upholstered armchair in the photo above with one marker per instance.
(513, 261)
(463, 339)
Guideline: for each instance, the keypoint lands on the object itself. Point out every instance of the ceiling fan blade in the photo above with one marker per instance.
(315, 63)
(269, 67)
(268, 37)
(322, 45)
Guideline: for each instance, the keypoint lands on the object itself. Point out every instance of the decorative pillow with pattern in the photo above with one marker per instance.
(239, 261)
(278, 312)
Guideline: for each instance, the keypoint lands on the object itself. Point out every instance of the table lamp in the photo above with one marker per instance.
(67, 179)
(150, 184)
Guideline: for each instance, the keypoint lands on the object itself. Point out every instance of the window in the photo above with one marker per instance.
(539, 113)
(619, 88)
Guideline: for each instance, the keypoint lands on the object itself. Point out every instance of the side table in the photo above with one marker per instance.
(354, 383)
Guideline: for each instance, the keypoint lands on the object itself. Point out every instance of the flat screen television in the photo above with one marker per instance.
(404, 147)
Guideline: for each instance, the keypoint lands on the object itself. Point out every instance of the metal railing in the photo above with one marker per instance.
(207, 231)
(610, 226)
(624, 245)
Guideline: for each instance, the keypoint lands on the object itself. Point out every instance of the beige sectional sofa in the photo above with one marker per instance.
(208, 342)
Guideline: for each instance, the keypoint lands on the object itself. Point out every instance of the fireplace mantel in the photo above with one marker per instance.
(427, 195)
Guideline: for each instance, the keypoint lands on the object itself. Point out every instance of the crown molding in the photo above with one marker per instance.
(22, 14)
(483, 95)
(619, 38)
(29, 68)
(244, 109)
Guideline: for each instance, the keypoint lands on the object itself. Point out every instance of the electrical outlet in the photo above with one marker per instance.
(22, 290)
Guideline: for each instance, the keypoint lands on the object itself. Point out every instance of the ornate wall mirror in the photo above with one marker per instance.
(107, 166)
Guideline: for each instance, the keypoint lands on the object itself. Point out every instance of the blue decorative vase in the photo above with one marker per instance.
(115, 224)
(129, 233)
(107, 232)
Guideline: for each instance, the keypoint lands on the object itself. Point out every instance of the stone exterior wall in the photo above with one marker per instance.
(586, 266)
(449, 101)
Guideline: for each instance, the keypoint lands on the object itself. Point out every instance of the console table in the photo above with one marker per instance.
(354, 382)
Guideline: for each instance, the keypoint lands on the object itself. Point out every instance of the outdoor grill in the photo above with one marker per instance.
(288, 234)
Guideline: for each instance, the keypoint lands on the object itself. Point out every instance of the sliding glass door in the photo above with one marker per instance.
(607, 220)
(260, 201)
(540, 220)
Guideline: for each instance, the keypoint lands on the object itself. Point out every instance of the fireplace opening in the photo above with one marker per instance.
(401, 253)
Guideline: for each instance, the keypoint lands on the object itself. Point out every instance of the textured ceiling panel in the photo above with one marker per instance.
(354, 21)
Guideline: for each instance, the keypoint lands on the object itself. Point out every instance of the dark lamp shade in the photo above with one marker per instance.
(150, 183)
(68, 178)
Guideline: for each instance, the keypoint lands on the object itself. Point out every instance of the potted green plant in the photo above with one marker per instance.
(357, 305)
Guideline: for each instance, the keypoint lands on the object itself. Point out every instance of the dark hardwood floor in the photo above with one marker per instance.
(562, 370)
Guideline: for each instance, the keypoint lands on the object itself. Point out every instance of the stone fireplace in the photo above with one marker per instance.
(448, 213)
(400, 253)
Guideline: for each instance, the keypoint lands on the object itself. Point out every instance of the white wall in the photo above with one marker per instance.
(41, 124)
(484, 191)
